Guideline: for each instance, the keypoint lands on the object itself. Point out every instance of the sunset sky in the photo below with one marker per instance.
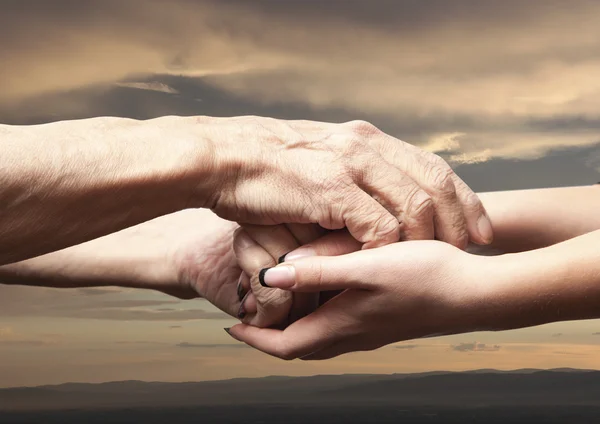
(507, 91)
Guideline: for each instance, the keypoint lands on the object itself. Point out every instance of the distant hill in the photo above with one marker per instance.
(478, 388)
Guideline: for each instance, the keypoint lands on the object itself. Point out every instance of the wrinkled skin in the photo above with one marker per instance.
(200, 262)
(350, 175)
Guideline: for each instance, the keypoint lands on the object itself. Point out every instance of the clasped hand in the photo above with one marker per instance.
(329, 297)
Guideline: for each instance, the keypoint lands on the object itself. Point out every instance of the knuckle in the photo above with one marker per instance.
(387, 228)
(363, 128)
(240, 239)
(420, 206)
(441, 179)
(472, 202)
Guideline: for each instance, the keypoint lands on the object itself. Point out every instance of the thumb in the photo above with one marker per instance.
(319, 273)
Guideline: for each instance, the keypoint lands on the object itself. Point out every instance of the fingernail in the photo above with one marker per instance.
(282, 258)
(281, 277)
(484, 226)
(240, 288)
(301, 252)
(228, 331)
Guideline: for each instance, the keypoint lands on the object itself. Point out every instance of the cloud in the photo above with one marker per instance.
(9, 338)
(187, 345)
(175, 326)
(596, 334)
(475, 347)
(557, 334)
(476, 80)
(151, 86)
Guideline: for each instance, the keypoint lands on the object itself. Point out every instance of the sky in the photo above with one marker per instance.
(508, 92)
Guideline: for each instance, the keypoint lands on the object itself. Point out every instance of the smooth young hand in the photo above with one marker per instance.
(398, 292)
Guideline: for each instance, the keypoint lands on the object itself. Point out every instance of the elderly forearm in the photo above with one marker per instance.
(531, 219)
(556, 283)
(67, 182)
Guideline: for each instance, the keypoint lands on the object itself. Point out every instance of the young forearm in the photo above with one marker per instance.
(556, 283)
(531, 219)
(67, 182)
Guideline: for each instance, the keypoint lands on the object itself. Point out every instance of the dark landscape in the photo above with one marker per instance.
(552, 396)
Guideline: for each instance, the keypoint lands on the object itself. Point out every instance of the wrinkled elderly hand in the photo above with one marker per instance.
(351, 175)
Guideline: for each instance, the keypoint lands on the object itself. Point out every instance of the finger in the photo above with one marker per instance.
(306, 233)
(270, 306)
(401, 196)
(276, 240)
(277, 307)
(367, 220)
(332, 244)
(273, 305)
(306, 303)
(479, 224)
(436, 178)
(248, 307)
(450, 223)
(243, 285)
(323, 273)
(324, 327)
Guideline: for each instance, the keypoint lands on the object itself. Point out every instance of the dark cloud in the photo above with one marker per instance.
(475, 347)
(596, 334)
(557, 335)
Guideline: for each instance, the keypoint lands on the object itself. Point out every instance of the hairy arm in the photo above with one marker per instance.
(68, 182)
(531, 219)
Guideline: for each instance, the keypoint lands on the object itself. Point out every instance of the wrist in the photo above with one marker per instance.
(477, 282)
(533, 288)
(216, 162)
